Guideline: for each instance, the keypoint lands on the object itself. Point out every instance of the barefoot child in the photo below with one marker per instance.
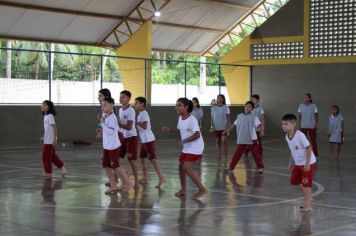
(193, 146)
(148, 144)
(127, 117)
(302, 162)
(220, 115)
(49, 141)
(336, 130)
(111, 145)
(246, 137)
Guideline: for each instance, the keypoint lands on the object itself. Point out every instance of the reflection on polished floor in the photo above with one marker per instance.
(243, 203)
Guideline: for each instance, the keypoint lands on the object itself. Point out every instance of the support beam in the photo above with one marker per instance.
(226, 3)
(105, 16)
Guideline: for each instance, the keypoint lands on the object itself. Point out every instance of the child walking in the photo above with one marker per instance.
(246, 124)
(308, 120)
(193, 146)
(111, 146)
(220, 115)
(302, 161)
(49, 141)
(148, 144)
(259, 112)
(127, 119)
(336, 130)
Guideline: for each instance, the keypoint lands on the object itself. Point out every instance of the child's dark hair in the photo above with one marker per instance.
(309, 96)
(51, 109)
(126, 92)
(141, 100)
(337, 108)
(223, 97)
(289, 117)
(250, 103)
(109, 100)
(187, 103)
(105, 92)
(256, 96)
(197, 101)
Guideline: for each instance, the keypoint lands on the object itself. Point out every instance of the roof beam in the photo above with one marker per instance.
(227, 3)
(104, 16)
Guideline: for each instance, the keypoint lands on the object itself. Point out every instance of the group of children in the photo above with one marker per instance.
(119, 135)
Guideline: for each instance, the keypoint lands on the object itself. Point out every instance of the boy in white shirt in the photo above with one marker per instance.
(111, 146)
(302, 162)
(127, 117)
(148, 144)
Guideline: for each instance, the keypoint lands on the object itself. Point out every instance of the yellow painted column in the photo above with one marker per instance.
(237, 78)
(133, 71)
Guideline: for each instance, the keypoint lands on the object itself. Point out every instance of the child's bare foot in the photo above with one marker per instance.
(47, 175)
(161, 181)
(64, 171)
(112, 190)
(180, 193)
(200, 193)
(305, 209)
(143, 181)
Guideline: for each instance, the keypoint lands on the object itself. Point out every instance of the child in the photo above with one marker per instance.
(49, 141)
(128, 129)
(260, 114)
(197, 112)
(148, 145)
(246, 138)
(111, 145)
(302, 162)
(336, 130)
(220, 115)
(193, 146)
(308, 120)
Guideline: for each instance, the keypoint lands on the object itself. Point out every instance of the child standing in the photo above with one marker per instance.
(220, 115)
(197, 112)
(193, 146)
(302, 161)
(49, 141)
(111, 145)
(308, 120)
(336, 130)
(260, 114)
(127, 124)
(148, 144)
(246, 137)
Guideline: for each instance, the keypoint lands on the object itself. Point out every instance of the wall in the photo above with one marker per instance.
(22, 125)
(282, 88)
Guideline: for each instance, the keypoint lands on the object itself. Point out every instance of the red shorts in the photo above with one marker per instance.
(188, 157)
(131, 147)
(300, 176)
(111, 158)
(122, 149)
(219, 133)
(148, 150)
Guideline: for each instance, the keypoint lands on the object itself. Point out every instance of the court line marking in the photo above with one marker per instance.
(332, 229)
(320, 189)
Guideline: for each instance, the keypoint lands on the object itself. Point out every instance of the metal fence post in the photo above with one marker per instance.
(185, 78)
(49, 76)
(101, 71)
(219, 78)
(146, 78)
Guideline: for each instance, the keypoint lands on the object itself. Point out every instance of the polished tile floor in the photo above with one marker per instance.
(243, 203)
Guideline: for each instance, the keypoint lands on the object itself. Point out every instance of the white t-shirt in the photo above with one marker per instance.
(110, 127)
(125, 115)
(146, 135)
(187, 128)
(298, 145)
(48, 136)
